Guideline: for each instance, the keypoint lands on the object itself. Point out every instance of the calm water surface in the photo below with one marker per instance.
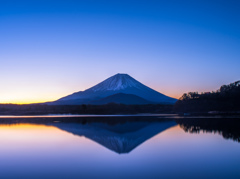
(119, 147)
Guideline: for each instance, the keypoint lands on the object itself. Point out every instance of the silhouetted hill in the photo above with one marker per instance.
(226, 99)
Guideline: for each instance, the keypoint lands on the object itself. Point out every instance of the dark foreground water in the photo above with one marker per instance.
(119, 147)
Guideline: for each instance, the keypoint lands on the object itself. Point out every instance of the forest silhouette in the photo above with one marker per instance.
(225, 99)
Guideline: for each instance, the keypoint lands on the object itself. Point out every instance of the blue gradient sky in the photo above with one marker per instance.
(49, 49)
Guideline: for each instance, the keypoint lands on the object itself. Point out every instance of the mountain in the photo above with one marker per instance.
(117, 84)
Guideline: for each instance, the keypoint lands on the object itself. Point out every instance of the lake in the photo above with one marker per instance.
(164, 146)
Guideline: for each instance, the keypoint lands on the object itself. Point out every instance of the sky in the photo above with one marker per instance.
(50, 49)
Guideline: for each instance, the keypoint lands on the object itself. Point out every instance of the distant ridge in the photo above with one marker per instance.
(118, 84)
(121, 98)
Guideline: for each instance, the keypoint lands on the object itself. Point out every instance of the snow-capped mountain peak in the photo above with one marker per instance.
(116, 82)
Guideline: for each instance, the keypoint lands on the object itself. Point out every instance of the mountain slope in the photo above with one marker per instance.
(119, 83)
(121, 98)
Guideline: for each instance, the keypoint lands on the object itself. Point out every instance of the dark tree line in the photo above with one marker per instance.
(112, 108)
(227, 98)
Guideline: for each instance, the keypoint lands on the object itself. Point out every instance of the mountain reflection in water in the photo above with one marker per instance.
(119, 134)
(120, 138)
(123, 134)
(119, 147)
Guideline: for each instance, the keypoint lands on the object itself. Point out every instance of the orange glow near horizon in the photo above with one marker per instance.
(24, 102)
(25, 126)
(25, 99)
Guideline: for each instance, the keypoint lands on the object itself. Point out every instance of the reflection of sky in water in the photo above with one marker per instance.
(32, 151)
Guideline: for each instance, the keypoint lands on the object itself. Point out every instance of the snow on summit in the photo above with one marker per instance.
(116, 82)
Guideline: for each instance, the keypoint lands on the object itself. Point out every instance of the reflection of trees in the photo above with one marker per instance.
(228, 128)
